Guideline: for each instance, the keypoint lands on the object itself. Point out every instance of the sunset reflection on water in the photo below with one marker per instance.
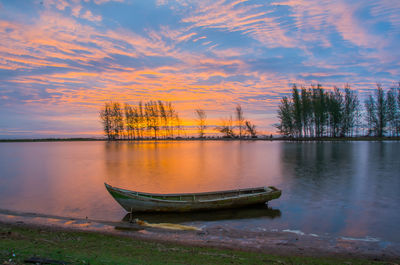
(191, 166)
(337, 188)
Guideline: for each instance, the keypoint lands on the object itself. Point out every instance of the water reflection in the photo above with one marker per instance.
(340, 188)
(194, 166)
(347, 188)
(216, 215)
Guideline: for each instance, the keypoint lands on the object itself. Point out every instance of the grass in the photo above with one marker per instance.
(18, 243)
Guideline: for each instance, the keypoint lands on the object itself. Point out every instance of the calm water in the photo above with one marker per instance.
(341, 189)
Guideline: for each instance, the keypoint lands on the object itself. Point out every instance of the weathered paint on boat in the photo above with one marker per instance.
(134, 201)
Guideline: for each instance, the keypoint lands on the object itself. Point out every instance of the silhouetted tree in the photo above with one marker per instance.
(350, 112)
(381, 111)
(285, 111)
(129, 121)
(226, 128)
(239, 119)
(335, 111)
(251, 129)
(141, 119)
(152, 117)
(106, 119)
(297, 111)
(174, 122)
(306, 111)
(370, 114)
(398, 111)
(391, 110)
(201, 121)
(117, 122)
(177, 124)
(164, 118)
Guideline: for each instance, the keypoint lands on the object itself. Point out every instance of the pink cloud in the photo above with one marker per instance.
(89, 16)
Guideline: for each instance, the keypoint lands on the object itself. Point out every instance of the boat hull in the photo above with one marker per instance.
(136, 202)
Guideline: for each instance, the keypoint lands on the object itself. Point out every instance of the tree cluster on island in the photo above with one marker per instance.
(316, 113)
(160, 120)
(152, 119)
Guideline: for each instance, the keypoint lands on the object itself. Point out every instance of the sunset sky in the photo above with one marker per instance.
(61, 60)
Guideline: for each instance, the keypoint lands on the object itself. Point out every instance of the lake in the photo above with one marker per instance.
(349, 189)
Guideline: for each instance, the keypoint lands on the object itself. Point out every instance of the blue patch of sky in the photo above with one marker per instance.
(20, 10)
(283, 15)
(140, 62)
(327, 78)
(12, 74)
(322, 52)
(258, 97)
(138, 16)
(381, 27)
(81, 52)
(280, 52)
(377, 26)
(16, 93)
(382, 75)
(213, 80)
(363, 13)
(6, 74)
(284, 64)
(93, 44)
(25, 121)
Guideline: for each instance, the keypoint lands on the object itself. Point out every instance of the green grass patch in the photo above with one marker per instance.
(18, 243)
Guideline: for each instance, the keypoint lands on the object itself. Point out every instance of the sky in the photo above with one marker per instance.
(60, 61)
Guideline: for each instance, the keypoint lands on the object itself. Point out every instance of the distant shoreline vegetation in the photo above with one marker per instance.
(159, 120)
(314, 113)
(309, 114)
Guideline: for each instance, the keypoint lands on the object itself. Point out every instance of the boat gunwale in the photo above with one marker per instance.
(264, 188)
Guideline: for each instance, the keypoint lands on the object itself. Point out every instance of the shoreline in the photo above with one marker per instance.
(287, 244)
(286, 139)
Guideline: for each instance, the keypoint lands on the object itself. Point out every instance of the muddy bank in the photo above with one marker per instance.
(285, 242)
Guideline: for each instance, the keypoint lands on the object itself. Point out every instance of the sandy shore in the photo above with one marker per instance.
(286, 242)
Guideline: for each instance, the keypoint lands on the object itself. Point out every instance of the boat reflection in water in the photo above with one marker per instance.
(250, 212)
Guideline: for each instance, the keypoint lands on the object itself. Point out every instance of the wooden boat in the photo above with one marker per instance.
(134, 201)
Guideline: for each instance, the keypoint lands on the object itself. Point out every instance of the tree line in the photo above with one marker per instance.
(315, 112)
(152, 119)
(159, 119)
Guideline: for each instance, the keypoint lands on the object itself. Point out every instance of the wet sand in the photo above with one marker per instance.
(286, 242)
